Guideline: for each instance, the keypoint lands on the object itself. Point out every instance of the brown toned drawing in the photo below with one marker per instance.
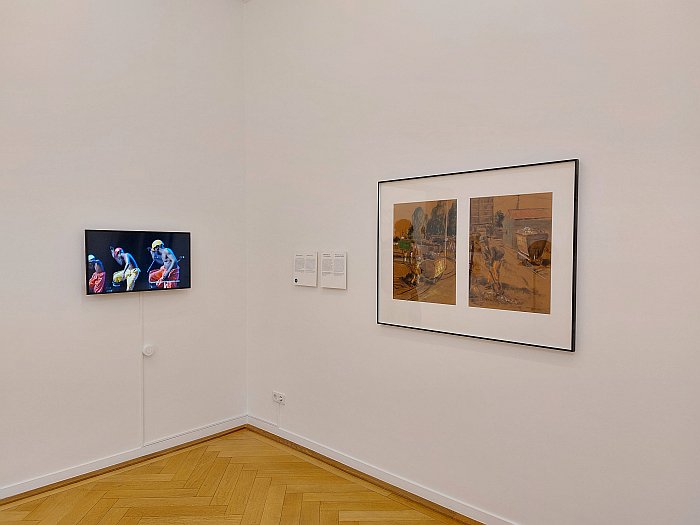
(424, 249)
(510, 247)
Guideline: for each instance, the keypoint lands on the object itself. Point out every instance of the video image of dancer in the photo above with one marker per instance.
(168, 275)
(96, 284)
(115, 260)
(130, 272)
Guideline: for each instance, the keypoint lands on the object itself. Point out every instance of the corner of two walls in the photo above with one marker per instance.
(123, 116)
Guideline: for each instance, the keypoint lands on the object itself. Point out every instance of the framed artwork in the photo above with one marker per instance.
(486, 253)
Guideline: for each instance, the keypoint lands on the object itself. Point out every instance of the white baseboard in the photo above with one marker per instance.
(148, 448)
(410, 486)
(227, 424)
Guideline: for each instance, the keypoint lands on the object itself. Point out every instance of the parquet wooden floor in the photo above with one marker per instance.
(241, 478)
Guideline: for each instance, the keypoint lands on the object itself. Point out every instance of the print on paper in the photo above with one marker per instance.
(424, 250)
(510, 252)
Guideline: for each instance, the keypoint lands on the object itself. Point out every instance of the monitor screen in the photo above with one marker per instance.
(136, 261)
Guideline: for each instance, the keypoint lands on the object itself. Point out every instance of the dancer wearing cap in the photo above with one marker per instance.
(131, 270)
(97, 280)
(156, 264)
(169, 274)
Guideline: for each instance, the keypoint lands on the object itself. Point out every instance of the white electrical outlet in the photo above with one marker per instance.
(279, 397)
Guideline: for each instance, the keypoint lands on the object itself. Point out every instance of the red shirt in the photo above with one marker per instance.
(97, 282)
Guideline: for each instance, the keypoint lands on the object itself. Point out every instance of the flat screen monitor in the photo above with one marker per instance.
(120, 261)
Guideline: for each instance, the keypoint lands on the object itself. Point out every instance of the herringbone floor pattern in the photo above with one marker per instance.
(241, 478)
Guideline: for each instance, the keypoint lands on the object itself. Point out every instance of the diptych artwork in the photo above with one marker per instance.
(486, 253)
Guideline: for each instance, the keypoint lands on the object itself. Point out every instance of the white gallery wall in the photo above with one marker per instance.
(342, 94)
(134, 115)
(124, 115)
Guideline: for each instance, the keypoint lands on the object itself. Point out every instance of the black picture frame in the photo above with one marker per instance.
(569, 190)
